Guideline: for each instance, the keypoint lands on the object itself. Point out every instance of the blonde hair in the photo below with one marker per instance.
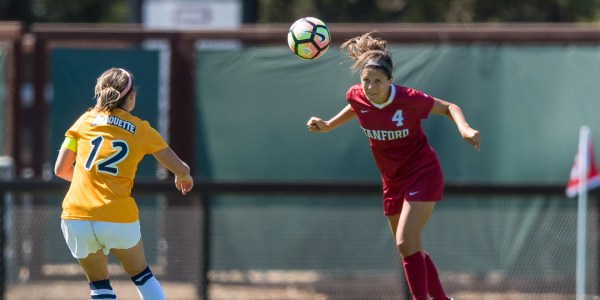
(112, 89)
(369, 51)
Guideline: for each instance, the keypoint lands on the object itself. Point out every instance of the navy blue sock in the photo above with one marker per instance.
(101, 289)
(141, 278)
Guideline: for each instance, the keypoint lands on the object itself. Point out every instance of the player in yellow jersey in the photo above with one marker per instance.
(99, 156)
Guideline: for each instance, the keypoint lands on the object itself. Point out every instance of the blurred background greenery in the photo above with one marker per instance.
(340, 11)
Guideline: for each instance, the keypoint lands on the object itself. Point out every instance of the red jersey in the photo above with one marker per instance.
(397, 140)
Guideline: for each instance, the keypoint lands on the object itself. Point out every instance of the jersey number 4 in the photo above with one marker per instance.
(398, 118)
(109, 164)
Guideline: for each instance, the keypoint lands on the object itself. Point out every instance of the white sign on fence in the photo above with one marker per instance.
(199, 14)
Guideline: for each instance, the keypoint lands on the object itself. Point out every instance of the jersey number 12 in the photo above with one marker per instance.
(109, 164)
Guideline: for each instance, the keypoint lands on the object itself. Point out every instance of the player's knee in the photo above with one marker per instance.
(401, 244)
(406, 247)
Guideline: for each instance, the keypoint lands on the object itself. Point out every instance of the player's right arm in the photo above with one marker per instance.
(183, 180)
(315, 124)
(63, 167)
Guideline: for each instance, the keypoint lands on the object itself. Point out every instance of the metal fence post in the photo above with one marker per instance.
(7, 173)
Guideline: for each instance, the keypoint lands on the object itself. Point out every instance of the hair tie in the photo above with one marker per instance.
(378, 63)
(129, 82)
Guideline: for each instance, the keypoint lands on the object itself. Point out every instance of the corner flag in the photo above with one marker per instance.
(584, 176)
(593, 176)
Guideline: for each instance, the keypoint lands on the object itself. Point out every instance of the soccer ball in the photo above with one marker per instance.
(309, 38)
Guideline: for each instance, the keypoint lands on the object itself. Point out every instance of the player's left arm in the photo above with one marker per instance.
(453, 111)
(183, 180)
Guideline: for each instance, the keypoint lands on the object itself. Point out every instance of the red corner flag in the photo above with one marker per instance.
(593, 177)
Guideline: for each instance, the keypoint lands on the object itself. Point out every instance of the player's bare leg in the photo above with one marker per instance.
(132, 259)
(407, 227)
(95, 267)
(135, 264)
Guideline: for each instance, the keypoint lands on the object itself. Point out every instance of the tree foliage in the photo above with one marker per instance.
(339, 11)
(80, 11)
(421, 11)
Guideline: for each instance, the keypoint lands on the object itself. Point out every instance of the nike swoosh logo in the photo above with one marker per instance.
(364, 111)
(413, 193)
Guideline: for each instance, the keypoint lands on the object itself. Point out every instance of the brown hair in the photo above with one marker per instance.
(369, 51)
(112, 89)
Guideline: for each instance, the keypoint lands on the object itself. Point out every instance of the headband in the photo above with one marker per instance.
(129, 82)
(380, 63)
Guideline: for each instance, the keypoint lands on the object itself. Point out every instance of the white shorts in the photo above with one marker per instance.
(85, 237)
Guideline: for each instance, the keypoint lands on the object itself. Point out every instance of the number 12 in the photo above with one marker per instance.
(109, 164)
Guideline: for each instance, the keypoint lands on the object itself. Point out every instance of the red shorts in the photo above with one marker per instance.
(425, 186)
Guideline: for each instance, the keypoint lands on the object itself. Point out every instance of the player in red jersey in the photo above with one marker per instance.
(390, 116)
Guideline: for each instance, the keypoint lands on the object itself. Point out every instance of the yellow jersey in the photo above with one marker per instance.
(109, 149)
